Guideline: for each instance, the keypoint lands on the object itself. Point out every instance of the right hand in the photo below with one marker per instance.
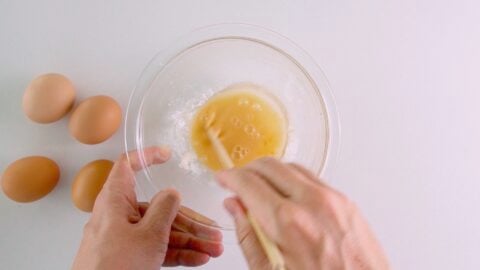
(314, 226)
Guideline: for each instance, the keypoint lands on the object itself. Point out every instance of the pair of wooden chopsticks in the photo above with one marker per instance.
(274, 255)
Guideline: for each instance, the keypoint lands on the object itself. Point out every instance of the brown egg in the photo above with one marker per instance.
(48, 98)
(95, 119)
(30, 178)
(89, 182)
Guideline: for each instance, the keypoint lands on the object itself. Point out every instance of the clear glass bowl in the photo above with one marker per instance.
(183, 76)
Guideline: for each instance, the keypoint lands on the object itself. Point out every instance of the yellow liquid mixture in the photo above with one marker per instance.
(249, 123)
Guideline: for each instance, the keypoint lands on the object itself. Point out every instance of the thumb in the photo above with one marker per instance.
(252, 250)
(162, 211)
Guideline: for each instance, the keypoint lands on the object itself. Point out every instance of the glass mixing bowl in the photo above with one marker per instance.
(182, 77)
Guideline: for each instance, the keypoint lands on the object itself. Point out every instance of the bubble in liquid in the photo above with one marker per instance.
(239, 152)
(257, 107)
(235, 121)
(244, 152)
(249, 129)
(237, 156)
(243, 102)
(208, 118)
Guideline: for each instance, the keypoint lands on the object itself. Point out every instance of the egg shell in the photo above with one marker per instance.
(48, 98)
(30, 178)
(95, 119)
(89, 182)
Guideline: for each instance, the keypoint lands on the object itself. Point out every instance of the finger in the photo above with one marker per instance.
(303, 171)
(261, 200)
(287, 181)
(118, 194)
(186, 221)
(307, 174)
(147, 156)
(251, 247)
(185, 257)
(185, 225)
(162, 211)
(121, 178)
(310, 176)
(183, 240)
(197, 216)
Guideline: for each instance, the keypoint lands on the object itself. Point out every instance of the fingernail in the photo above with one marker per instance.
(164, 147)
(164, 152)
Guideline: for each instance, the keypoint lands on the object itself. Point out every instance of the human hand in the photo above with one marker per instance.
(124, 234)
(314, 226)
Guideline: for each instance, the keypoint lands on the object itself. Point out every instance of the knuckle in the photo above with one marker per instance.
(338, 209)
(295, 218)
(285, 213)
(295, 165)
(266, 161)
(244, 234)
(155, 243)
(240, 173)
(246, 177)
(334, 201)
(123, 158)
(329, 201)
(304, 172)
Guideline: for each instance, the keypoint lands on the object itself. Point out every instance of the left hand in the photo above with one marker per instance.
(125, 234)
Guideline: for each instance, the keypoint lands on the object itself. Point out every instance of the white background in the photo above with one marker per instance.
(405, 75)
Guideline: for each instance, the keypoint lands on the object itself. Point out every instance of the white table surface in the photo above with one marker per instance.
(406, 76)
